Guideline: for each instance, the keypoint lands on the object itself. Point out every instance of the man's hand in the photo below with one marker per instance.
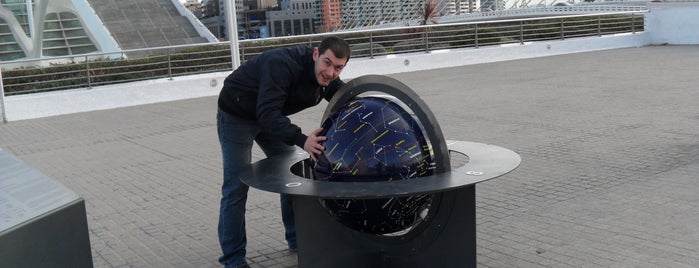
(312, 144)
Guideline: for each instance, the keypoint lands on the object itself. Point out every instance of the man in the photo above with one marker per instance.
(253, 106)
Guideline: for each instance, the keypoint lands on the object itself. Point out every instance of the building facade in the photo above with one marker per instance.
(330, 12)
(193, 6)
(297, 19)
(362, 13)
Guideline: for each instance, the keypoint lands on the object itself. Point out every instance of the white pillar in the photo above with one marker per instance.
(37, 35)
(30, 17)
(232, 25)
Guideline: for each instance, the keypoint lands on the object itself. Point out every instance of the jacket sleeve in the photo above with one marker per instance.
(276, 76)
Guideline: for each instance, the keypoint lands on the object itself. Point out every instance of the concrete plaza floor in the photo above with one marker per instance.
(609, 142)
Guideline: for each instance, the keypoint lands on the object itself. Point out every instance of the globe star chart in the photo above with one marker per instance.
(375, 139)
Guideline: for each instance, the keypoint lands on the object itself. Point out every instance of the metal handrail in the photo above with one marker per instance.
(86, 71)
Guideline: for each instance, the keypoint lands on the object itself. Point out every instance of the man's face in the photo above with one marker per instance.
(328, 67)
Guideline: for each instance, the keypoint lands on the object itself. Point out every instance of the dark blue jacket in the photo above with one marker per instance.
(272, 85)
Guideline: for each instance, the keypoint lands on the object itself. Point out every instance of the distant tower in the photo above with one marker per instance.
(331, 15)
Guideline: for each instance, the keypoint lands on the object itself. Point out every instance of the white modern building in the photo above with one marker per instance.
(31, 29)
(50, 28)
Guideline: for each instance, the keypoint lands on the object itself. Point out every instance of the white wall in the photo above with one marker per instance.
(458, 57)
(673, 23)
(113, 96)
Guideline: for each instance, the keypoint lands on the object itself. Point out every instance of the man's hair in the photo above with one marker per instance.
(337, 45)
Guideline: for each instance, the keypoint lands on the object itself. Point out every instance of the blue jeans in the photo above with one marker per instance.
(236, 136)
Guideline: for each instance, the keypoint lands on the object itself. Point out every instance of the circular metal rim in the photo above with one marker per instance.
(400, 91)
(485, 162)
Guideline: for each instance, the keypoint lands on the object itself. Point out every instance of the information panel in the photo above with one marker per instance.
(26, 193)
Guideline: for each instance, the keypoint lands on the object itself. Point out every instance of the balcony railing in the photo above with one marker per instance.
(90, 70)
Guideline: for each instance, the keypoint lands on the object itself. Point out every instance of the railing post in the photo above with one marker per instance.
(476, 37)
(562, 30)
(89, 76)
(427, 41)
(2, 99)
(633, 23)
(169, 65)
(371, 45)
(599, 25)
(521, 32)
(242, 52)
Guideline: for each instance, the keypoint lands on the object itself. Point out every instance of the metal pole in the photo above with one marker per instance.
(2, 99)
(427, 41)
(232, 21)
(475, 38)
(87, 69)
(371, 45)
(562, 30)
(242, 52)
(169, 65)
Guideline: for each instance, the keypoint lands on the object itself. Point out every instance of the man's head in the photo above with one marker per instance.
(330, 58)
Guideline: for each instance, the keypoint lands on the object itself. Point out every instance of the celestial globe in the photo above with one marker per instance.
(375, 139)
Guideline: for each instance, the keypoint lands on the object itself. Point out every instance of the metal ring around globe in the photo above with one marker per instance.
(487, 161)
(398, 90)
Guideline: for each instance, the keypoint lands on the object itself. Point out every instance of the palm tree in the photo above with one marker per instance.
(428, 12)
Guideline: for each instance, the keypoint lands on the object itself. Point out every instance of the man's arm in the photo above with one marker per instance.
(276, 76)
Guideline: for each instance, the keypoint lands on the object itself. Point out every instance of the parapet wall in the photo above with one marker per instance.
(673, 23)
